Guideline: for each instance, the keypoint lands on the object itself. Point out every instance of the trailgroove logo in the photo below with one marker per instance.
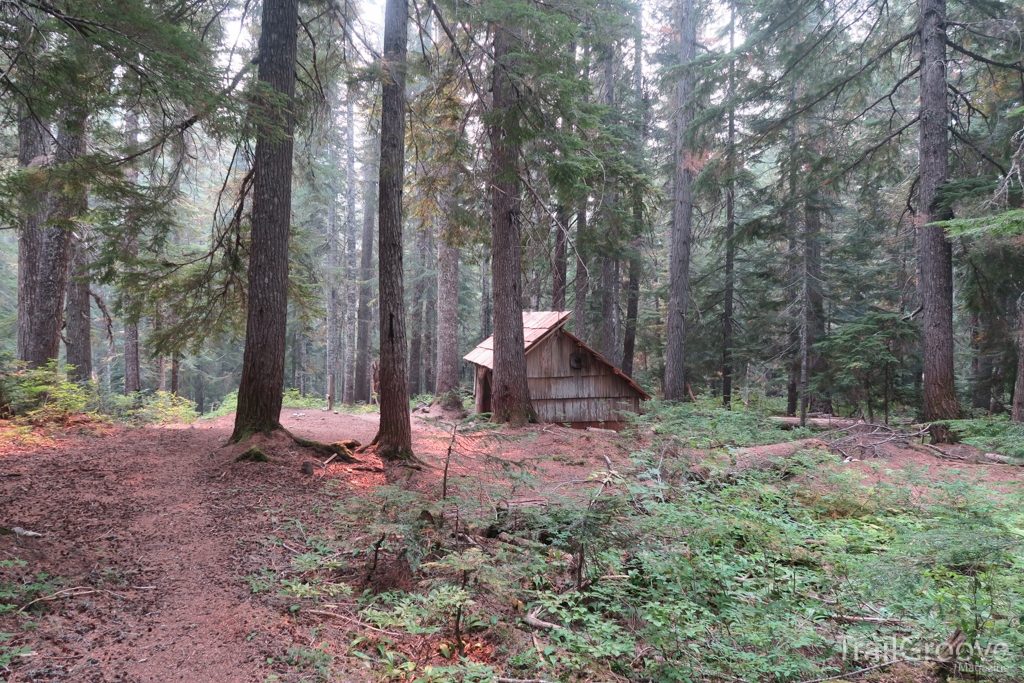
(958, 654)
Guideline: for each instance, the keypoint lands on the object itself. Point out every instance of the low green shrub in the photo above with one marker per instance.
(997, 434)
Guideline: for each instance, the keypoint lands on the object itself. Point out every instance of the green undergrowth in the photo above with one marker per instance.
(707, 425)
(46, 396)
(20, 593)
(995, 434)
(640, 573)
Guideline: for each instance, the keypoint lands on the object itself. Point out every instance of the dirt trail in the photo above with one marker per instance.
(154, 528)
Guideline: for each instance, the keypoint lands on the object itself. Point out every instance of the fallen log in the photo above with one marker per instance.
(815, 422)
(753, 458)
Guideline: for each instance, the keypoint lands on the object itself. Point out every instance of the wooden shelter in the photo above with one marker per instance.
(569, 381)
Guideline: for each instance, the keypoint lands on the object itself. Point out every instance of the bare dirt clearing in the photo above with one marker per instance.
(152, 531)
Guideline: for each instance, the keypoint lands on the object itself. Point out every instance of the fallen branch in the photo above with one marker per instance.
(60, 595)
(354, 620)
(532, 620)
(851, 619)
(855, 673)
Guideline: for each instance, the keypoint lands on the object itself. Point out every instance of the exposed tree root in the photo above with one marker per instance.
(342, 451)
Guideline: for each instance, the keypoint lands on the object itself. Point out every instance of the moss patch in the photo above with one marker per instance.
(253, 455)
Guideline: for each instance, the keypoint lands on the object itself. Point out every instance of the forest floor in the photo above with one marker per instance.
(153, 539)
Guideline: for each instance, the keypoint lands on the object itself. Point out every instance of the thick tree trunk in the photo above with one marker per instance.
(816, 364)
(394, 440)
(935, 254)
(581, 283)
(349, 393)
(510, 393)
(365, 322)
(71, 203)
(447, 386)
(132, 375)
(78, 312)
(1017, 414)
(674, 386)
(416, 316)
(261, 388)
(175, 372)
(429, 312)
(632, 310)
(485, 296)
(334, 287)
(43, 253)
(558, 276)
(608, 345)
(730, 229)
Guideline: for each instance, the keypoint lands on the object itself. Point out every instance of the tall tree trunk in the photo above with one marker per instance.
(1017, 414)
(447, 387)
(132, 375)
(635, 263)
(558, 276)
(175, 372)
(935, 254)
(335, 280)
(815, 297)
(679, 265)
(365, 317)
(510, 393)
(730, 230)
(581, 283)
(609, 346)
(261, 389)
(416, 315)
(78, 311)
(632, 310)
(72, 203)
(199, 387)
(43, 253)
(486, 328)
(395, 436)
(349, 394)
(429, 311)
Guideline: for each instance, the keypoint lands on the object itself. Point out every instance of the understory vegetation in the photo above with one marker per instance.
(644, 572)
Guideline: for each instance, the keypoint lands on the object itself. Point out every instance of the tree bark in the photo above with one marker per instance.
(71, 203)
(429, 311)
(333, 275)
(632, 310)
(260, 391)
(365, 317)
(447, 387)
(510, 393)
(581, 283)
(348, 394)
(730, 230)
(78, 311)
(416, 316)
(558, 276)
(679, 266)
(132, 375)
(935, 254)
(394, 440)
(485, 296)
(43, 253)
(1017, 414)
(175, 372)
